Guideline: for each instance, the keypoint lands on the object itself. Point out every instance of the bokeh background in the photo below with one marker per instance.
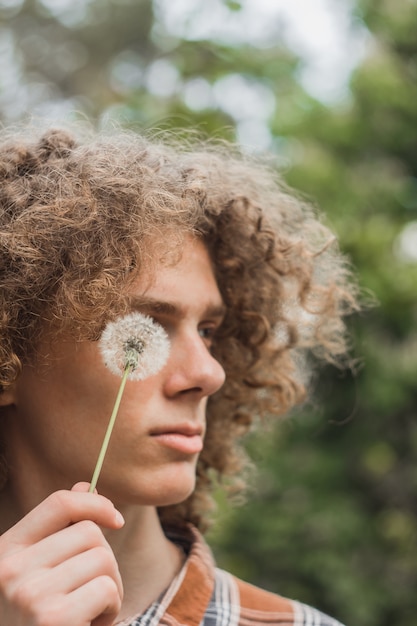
(330, 87)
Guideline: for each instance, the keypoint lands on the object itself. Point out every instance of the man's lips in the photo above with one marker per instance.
(185, 438)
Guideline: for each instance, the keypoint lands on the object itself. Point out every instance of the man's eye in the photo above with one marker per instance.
(207, 333)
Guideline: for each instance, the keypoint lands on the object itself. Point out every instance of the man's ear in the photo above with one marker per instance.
(7, 395)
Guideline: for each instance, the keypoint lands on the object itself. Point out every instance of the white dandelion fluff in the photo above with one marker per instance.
(135, 340)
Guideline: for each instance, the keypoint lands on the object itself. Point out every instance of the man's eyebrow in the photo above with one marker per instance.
(152, 305)
(171, 309)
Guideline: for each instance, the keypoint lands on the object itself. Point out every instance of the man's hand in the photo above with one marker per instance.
(56, 567)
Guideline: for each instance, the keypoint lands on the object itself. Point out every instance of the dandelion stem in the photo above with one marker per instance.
(104, 445)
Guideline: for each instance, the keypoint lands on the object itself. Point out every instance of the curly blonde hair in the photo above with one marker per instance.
(81, 216)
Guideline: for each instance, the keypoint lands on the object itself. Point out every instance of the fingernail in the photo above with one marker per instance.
(120, 520)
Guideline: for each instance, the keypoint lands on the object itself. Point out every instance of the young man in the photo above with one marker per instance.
(244, 279)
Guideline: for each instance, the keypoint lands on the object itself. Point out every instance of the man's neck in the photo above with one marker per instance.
(147, 560)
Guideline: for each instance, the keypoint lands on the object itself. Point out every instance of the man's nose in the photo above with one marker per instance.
(192, 368)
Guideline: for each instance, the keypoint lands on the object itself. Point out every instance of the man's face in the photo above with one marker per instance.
(60, 406)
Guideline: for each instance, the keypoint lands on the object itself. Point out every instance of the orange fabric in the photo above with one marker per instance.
(190, 603)
(252, 597)
(205, 596)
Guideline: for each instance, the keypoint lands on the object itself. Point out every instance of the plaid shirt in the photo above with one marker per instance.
(204, 595)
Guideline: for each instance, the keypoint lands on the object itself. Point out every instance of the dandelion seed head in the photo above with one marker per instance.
(135, 340)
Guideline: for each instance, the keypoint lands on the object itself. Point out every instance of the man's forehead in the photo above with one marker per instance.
(177, 287)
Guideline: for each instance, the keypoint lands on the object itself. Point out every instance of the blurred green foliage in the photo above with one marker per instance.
(332, 516)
